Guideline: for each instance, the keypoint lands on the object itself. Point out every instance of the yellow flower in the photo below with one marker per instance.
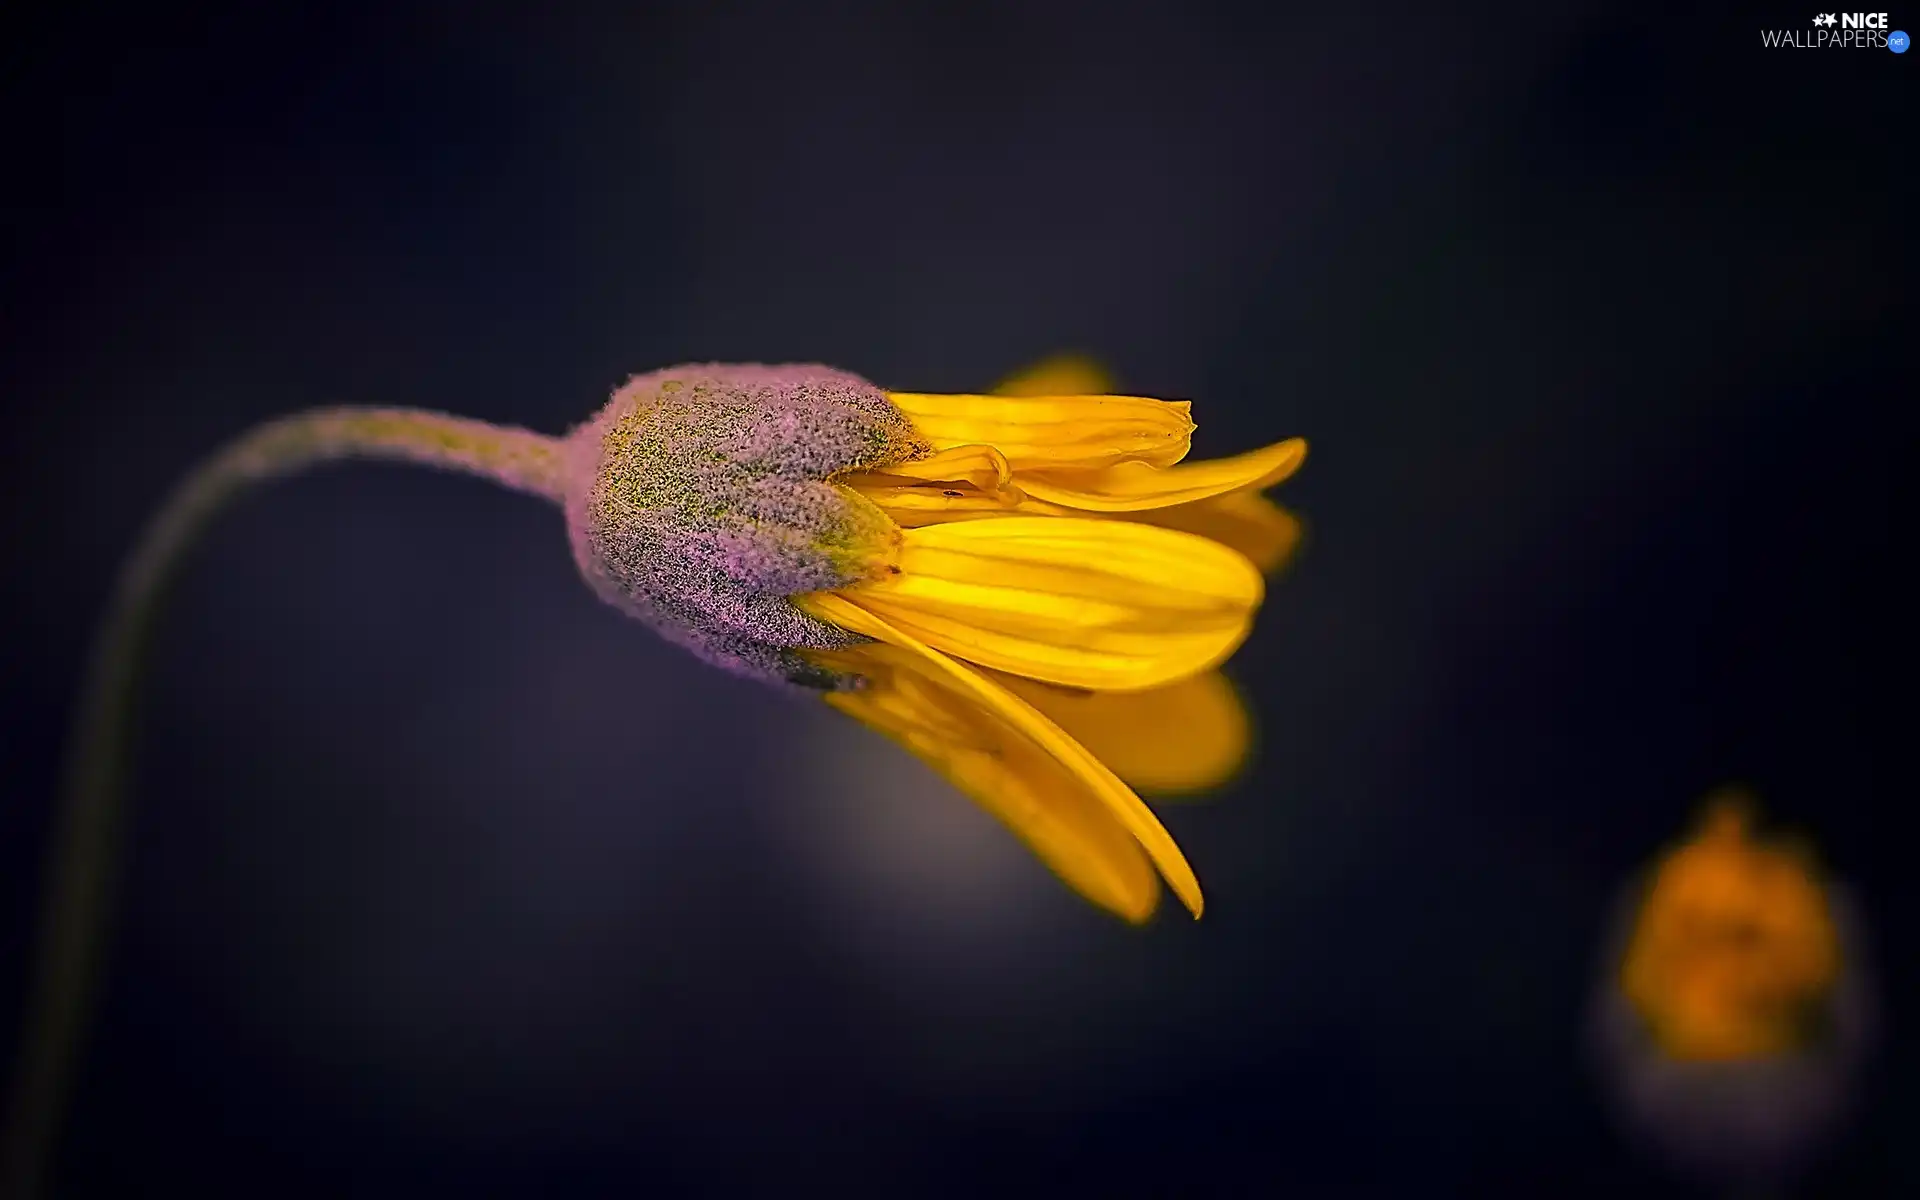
(975, 575)
(1048, 630)
(1735, 950)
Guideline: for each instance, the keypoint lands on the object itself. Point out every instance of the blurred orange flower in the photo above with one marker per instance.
(1734, 951)
(1735, 1007)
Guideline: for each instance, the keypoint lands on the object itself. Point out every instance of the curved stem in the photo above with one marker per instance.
(88, 823)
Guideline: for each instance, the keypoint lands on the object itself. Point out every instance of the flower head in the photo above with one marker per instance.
(701, 501)
(969, 574)
(945, 568)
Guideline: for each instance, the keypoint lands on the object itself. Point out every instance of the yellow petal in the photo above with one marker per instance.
(1185, 737)
(1039, 432)
(982, 466)
(914, 504)
(1060, 375)
(1246, 521)
(1114, 795)
(1109, 605)
(1133, 487)
(1003, 770)
(910, 505)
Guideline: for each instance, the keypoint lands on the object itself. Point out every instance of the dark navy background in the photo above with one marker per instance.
(448, 879)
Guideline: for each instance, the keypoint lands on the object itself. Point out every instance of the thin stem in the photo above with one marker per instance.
(88, 824)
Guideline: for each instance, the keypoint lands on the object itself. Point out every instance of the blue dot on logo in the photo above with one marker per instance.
(1897, 41)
